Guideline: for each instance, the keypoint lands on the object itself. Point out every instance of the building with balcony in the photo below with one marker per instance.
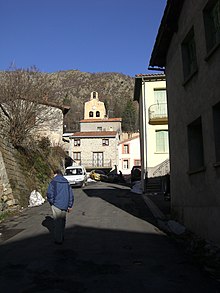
(96, 145)
(157, 114)
(150, 92)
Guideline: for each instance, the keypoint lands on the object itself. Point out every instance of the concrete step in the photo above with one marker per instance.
(154, 185)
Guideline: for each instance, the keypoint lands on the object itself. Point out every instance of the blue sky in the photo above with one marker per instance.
(89, 35)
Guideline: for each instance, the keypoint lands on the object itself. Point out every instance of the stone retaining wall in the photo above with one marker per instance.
(13, 187)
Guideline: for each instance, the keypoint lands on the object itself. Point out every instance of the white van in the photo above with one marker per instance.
(76, 175)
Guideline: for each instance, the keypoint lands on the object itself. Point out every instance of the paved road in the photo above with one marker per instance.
(112, 244)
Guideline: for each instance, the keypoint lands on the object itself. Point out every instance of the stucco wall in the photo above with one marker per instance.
(134, 154)
(153, 158)
(53, 127)
(93, 106)
(106, 126)
(195, 197)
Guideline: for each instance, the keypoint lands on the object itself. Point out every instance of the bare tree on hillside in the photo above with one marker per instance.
(24, 96)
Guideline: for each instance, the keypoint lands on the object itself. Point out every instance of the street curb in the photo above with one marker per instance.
(157, 213)
(166, 225)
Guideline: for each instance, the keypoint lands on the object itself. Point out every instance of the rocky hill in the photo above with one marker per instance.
(115, 90)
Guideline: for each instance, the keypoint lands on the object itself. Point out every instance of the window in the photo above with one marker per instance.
(90, 114)
(125, 149)
(99, 128)
(74, 171)
(76, 142)
(98, 159)
(211, 15)
(216, 122)
(97, 114)
(125, 164)
(76, 155)
(195, 145)
(162, 142)
(160, 98)
(105, 141)
(189, 56)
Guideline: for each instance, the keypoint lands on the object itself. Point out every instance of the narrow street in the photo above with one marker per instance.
(112, 244)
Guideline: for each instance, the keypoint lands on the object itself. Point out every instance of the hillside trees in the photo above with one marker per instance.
(114, 89)
(23, 96)
(129, 117)
(19, 87)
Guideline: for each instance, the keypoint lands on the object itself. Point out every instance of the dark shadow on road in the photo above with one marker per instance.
(98, 261)
(49, 224)
(124, 199)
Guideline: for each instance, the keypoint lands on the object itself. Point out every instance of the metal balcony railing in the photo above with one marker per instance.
(158, 114)
(95, 164)
(162, 169)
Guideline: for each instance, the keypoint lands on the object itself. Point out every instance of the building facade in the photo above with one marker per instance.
(96, 145)
(52, 127)
(150, 92)
(187, 47)
(129, 154)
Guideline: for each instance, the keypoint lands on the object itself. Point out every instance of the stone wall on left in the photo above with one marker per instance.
(14, 192)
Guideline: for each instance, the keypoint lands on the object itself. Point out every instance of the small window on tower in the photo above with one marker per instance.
(97, 114)
(76, 142)
(90, 114)
(105, 141)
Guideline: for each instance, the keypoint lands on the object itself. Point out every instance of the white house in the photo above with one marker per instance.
(150, 92)
(52, 127)
(129, 154)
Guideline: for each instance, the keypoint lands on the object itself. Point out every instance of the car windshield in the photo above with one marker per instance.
(73, 171)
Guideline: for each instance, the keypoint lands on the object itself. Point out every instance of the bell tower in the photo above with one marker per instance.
(94, 109)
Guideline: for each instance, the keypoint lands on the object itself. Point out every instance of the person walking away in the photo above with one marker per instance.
(60, 196)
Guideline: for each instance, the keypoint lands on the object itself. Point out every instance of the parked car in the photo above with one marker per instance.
(76, 175)
(135, 173)
(98, 175)
(115, 177)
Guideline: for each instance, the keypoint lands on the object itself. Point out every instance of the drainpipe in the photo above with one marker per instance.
(144, 138)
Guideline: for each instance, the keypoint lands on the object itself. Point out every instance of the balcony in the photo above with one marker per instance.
(158, 114)
(106, 165)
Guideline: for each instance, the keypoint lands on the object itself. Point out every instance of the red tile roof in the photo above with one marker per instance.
(129, 139)
(94, 134)
(149, 75)
(101, 120)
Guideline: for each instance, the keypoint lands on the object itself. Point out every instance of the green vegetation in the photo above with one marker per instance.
(129, 117)
(6, 214)
(38, 163)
